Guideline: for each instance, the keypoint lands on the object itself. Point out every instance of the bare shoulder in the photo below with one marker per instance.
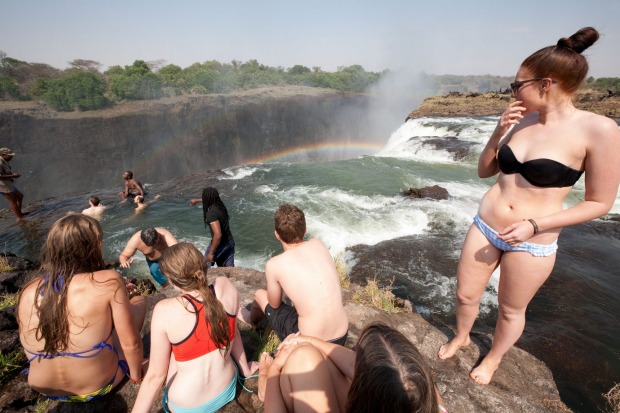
(27, 296)
(227, 294)
(163, 231)
(274, 266)
(598, 125)
(107, 275)
(167, 307)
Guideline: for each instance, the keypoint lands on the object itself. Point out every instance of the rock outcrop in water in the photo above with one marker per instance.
(60, 153)
(522, 384)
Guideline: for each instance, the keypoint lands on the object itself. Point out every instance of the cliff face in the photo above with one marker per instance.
(493, 104)
(79, 152)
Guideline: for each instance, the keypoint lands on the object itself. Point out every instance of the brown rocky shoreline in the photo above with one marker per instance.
(522, 384)
(493, 104)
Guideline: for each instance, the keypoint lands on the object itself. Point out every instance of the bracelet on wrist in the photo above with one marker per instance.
(534, 224)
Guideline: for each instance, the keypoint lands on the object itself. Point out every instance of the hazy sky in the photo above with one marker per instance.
(435, 36)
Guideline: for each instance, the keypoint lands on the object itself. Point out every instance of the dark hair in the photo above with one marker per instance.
(139, 198)
(184, 266)
(95, 200)
(290, 223)
(129, 174)
(211, 197)
(149, 236)
(563, 62)
(390, 374)
(73, 246)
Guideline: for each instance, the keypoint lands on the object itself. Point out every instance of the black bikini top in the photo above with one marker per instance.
(544, 173)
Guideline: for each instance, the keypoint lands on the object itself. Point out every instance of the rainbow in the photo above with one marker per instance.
(324, 148)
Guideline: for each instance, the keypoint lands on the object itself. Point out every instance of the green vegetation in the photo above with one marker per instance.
(7, 300)
(11, 364)
(604, 84)
(5, 266)
(267, 341)
(75, 90)
(343, 272)
(84, 87)
(377, 297)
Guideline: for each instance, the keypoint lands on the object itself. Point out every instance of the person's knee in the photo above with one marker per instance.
(510, 314)
(305, 357)
(466, 298)
(260, 296)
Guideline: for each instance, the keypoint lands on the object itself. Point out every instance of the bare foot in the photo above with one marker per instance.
(263, 367)
(484, 372)
(447, 350)
(243, 315)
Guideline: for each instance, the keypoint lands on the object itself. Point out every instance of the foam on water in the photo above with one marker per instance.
(240, 172)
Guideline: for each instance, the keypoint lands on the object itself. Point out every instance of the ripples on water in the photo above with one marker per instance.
(358, 201)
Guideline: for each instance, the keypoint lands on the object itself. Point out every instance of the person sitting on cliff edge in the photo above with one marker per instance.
(307, 274)
(7, 188)
(133, 187)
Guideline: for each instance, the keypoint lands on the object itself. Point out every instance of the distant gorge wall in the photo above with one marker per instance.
(160, 140)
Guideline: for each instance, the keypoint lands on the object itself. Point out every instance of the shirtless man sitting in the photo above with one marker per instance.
(96, 209)
(151, 242)
(307, 274)
(132, 187)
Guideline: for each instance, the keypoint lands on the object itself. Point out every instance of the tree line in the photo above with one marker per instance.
(84, 87)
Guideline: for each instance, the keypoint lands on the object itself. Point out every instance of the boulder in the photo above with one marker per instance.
(432, 192)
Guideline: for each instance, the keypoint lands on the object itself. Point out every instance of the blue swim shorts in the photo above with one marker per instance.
(537, 250)
(156, 272)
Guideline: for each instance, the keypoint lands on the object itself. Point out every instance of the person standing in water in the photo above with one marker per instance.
(96, 209)
(7, 187)
(221, 249)
(551, 144)
(133, 187)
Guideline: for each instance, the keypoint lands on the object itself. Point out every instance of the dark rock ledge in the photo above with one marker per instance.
(522, 384)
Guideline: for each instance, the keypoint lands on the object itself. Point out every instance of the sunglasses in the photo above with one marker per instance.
(515, 86)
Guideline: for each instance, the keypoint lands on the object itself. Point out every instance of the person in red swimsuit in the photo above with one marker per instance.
(198, 328)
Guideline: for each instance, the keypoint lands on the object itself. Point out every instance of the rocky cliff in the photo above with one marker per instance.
(59, 153)
(493, 104)
(522, 383)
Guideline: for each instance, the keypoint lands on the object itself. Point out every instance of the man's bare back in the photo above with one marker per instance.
(307, 274)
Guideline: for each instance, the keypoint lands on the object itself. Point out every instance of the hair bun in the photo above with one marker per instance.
(581, 40)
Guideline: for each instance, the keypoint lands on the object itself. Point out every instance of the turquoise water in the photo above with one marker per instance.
(347, 202)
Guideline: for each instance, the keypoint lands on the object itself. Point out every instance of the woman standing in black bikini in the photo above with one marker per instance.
(520, 218)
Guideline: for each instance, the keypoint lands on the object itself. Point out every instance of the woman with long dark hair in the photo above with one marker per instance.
(540, 148)
(385, 373)
(221, 249)
(79, 329)
(194, 339)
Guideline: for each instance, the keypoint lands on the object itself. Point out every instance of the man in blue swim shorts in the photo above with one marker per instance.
(152, 242)
(7, 187)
